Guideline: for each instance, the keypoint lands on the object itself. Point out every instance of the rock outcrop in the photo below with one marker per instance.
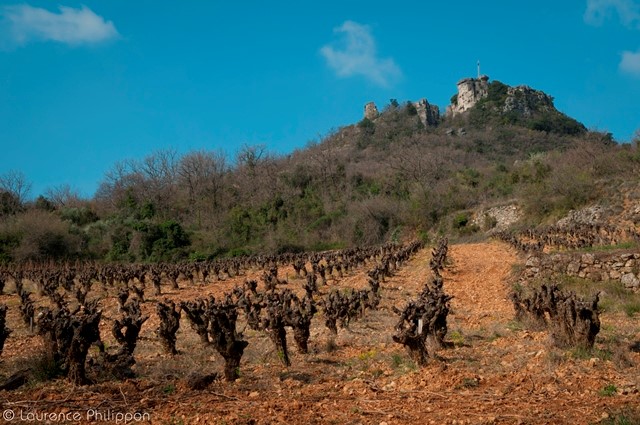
(470, 92)
(429, 114)
(495, 103)
(497, 219)
(371, 111)
(480, 103)
(588, 215)
(525, 101)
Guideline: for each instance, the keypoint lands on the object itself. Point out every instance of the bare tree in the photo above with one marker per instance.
(251, 156)
(160, 167)
(159, 171)
(14, 189)
(63, 196)
(152, 179)
(120, 180)
(256, 175)
(327, 163)
(420, 164)
(201, 174)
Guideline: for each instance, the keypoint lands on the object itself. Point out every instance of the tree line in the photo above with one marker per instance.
(385, 180)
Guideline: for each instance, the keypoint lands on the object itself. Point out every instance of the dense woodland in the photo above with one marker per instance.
(378, 181)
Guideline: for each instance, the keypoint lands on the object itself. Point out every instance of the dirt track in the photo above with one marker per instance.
(495, 373)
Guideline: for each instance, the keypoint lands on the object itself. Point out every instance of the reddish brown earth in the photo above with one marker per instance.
(494, 373)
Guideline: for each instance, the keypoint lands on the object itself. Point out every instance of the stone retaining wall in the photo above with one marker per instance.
(622, 267)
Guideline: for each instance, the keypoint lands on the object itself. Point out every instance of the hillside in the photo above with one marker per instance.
(402, 172)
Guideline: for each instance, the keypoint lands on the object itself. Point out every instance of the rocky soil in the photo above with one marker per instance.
(494, 372)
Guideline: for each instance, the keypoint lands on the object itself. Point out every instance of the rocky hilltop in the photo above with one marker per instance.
(480, 102)
(429, 114)
(526, 101)
(470, 92)
(519, 100)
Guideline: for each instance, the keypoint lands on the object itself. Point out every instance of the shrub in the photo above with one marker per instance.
(9, 203)
(497, 92)
(411, 109)
(8, 243)
(460, 220)
(367, 126)
(79, 216)
(489, 222)
(556, 122)
(45, 236)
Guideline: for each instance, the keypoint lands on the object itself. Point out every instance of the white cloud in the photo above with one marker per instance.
(598, 11)
(357, 56)
(25, 23)
(630, 63)
(628, 12)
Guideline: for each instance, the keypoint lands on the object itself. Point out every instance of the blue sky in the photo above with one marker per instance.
(86, 84)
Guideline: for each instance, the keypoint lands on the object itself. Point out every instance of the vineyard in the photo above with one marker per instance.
(389, 334)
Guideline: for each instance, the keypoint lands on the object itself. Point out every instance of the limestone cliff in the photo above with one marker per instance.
(429, 114)
(480, 103)
(371, 111)
(483, 103)
(525, 101)
(520, 99)
(470, 92)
